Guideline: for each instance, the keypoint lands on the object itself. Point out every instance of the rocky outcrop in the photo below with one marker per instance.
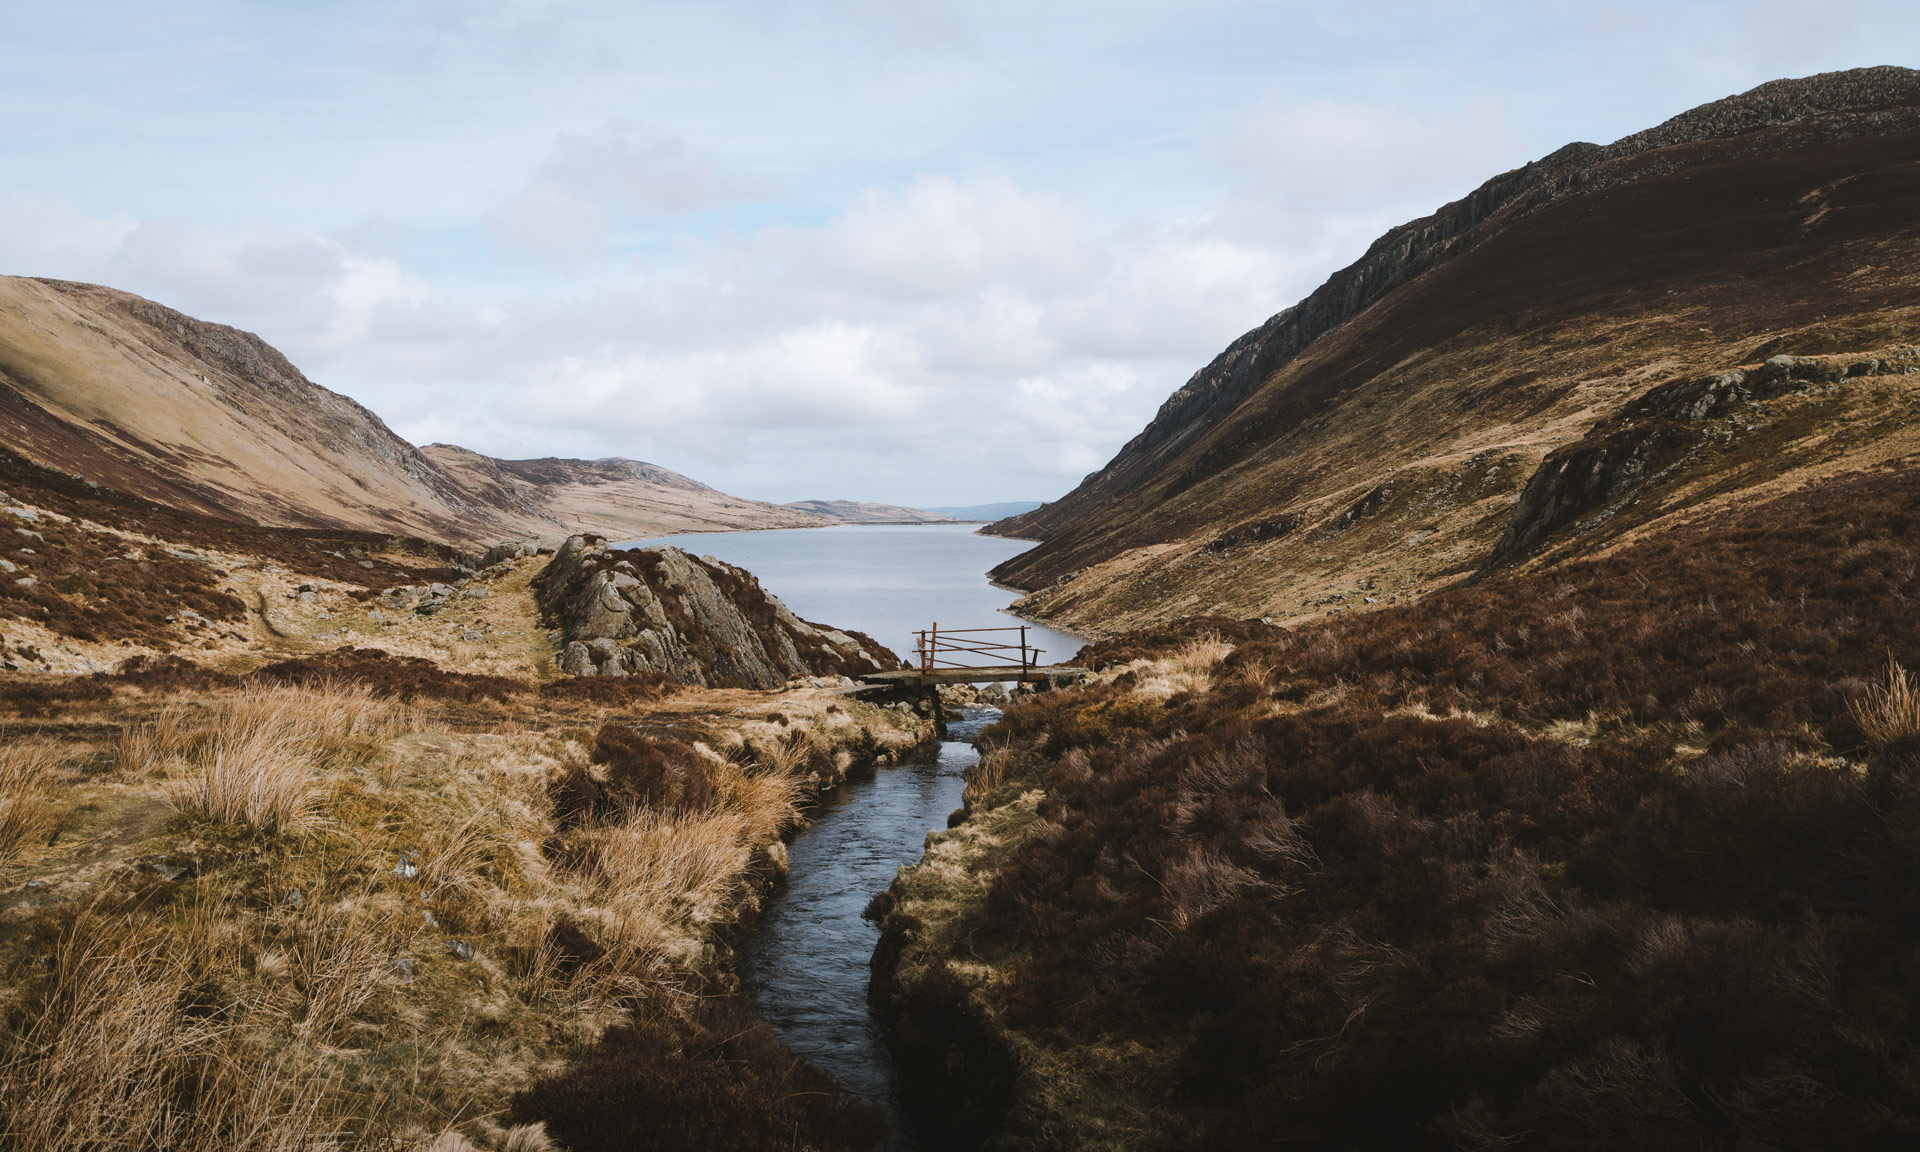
(1594, 477)
(694, 619)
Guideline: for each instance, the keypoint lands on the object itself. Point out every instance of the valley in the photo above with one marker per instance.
(1501, 727)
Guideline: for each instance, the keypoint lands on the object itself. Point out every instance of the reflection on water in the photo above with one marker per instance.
(807, 963)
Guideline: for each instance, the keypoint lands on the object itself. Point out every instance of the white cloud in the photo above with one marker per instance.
(930, 330)
(594, 179)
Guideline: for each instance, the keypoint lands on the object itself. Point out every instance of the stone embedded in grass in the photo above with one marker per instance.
(460, 949)
(406, 869)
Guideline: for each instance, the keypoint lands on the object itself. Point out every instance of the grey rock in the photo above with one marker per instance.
(460, 949)
(26, 582)
(575, 660)
(474, 593)
(8, 566)
(506, 550)
(27, 514)
(471, 635)
(697, 620)
(308, 597)
(405, 868)
(401, 969)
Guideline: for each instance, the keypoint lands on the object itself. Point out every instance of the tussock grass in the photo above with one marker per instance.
(661, 871)
(295, 992)
(25, 812)
(118, 1055)
(251, 780)
(253, 758)
(1890, 711)
(1188, 668)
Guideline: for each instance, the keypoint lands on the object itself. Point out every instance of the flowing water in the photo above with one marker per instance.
(806, 964)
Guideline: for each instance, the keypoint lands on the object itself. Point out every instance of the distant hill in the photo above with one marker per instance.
(861, 512)
(987, 513)
(209, 419)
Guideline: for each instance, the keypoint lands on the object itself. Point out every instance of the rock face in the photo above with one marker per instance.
(697, 620)
(1587, 481)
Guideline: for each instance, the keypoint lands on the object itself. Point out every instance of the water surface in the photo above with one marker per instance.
(806, 965)
(887, 580)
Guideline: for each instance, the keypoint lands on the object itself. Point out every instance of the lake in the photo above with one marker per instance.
(887, 580)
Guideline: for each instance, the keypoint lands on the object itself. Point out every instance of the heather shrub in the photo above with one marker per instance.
(651, 771)
(1616, 854)
(714, 1078)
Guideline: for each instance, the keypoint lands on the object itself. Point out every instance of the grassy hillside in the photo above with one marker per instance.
(1374, 441)
(1616, 854)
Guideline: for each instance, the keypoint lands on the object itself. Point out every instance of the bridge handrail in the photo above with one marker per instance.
(931, 643)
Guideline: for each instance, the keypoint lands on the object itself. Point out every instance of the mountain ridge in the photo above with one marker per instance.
(211, 419)
(1415, 391)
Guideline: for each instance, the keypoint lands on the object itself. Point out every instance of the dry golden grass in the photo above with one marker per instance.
(119, 1055)
(252, 779)
(662, 872)
(312, 996)
(339, 958)
(1890, 711)
(25, 812)
(254, 757)
(1189, 668)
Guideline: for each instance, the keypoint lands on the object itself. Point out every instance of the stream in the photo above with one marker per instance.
(806, 963)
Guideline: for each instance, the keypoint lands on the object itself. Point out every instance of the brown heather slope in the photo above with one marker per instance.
(209, 419)
(1617, 855)
(1373, 442)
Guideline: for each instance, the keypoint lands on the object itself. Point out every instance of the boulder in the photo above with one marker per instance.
(506, 550)
(695, 619)
(575, 660)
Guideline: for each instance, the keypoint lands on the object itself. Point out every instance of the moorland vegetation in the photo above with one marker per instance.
(1615, 854)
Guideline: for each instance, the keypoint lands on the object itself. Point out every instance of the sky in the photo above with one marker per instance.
(915, 251)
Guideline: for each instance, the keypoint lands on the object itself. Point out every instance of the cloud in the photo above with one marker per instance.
(932, 330)
(591, 181)
(314, 294)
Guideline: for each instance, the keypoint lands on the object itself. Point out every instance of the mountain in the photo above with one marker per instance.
(861, 512)
(614, 497)
(209, 419)
(1581, 351)
(989, 512)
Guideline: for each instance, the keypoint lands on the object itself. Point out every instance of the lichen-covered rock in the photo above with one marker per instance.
(697, 620)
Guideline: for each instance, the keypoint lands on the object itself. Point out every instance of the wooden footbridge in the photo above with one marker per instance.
(956, 656)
